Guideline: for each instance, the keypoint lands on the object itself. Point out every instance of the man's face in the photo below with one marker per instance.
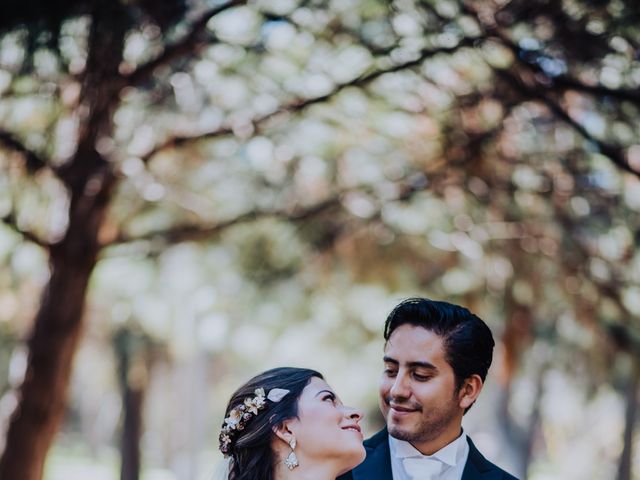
(418, 395)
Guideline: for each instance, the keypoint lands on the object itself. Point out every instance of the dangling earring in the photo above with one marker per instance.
(292, 461)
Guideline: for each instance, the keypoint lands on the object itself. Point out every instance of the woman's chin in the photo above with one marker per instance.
(354, 459)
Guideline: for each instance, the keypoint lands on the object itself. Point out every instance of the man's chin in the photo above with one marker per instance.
(400, 433)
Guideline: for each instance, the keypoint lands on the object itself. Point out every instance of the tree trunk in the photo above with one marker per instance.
(131, 433)
(52, 346)
(58, 323)
(133, 351)
(631, 415)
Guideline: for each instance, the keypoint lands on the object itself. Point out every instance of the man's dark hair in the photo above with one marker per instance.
(467, 340)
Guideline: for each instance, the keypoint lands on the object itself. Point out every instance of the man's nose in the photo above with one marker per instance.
(400, 387)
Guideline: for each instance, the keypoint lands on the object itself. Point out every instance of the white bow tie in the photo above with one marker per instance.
(422, 468)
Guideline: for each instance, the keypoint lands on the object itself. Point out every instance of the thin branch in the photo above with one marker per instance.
(10, 221)
(410, 185)
(182, 47)
(301, 104)
(613, 152)
(563, 82)
(34, 161)
(207, 232)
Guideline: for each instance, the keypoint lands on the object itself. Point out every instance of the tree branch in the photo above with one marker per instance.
(301, 104)
(196, 232)
(34, 161)
(563, 82)
(410, 185)
(613, 152)
(182, 47)
(10, 221)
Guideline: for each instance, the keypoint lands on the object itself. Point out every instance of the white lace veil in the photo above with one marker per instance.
(222, 471)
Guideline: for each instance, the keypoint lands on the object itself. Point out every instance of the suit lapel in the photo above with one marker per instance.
(377, 465)
(478, 467)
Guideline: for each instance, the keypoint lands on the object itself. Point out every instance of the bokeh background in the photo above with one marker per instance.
(193, 191)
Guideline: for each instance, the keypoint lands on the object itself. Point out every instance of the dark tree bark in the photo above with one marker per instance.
(58, 323)
(631, 416)
(131, 433)
(135, 352)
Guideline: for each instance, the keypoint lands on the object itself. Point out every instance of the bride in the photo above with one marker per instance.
(287, 423)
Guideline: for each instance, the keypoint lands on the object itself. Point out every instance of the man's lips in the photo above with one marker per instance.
(403, 408)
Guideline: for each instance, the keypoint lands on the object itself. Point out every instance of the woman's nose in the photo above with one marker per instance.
(355, 414)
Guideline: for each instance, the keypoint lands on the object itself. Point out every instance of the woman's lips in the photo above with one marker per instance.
(353, 428)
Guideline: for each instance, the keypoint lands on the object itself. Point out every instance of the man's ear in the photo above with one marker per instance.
(469, 391)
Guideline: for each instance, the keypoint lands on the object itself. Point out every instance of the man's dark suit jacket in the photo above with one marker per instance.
(377, 465)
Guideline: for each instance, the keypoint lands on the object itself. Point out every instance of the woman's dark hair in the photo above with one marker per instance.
(251, 455)
(467, 340)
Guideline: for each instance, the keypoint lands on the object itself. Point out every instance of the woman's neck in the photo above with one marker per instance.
(308, 471)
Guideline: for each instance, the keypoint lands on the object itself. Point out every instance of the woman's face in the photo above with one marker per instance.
(326, 430)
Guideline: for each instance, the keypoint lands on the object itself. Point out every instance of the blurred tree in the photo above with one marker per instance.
(136, 352)
(505, 133)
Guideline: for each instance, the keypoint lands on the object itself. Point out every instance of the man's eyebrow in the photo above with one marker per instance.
(427, 365)
(324, 391)
(416, 364)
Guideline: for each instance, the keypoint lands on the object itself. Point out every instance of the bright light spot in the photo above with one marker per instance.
(441, 240)
(213, 332)
(631, 299)
(260, 153)
(205, 72)
(458, 281)
(8, 306)
(238, 25)
(135, 47)
(527, 178)
(5, 80)
(66, 136)
(467, 246)
(132, 166)
(143, 140)
(406, 25)
(610, 77)
(18, 365)
(264, 104)
(11, 51)
(316, 85)
(279, 35)
(580, 206)
(153, 192)
(360, 205)
(529, 43)
(599, 269)
(633, 157)
(251, 341)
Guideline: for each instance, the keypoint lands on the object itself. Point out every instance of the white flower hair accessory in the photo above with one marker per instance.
(277, 394)
(244, 412)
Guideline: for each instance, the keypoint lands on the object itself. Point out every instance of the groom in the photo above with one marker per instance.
(436, 357)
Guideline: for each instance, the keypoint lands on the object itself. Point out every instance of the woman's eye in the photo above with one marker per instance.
(421, 378)
(329, 397)
(390, 373)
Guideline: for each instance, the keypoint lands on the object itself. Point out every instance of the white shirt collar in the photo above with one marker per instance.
(450, 454)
